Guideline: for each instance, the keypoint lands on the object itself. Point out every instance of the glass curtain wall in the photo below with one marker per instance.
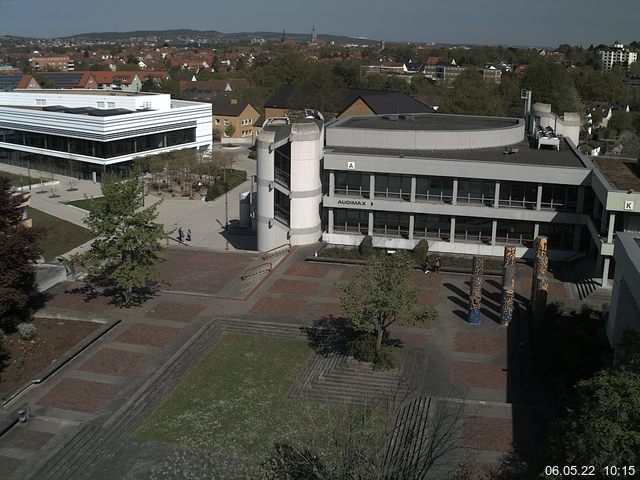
(350, 221)
(432, 226)
(479, 192)
(434, 189)
(469, 229)
(518, 195)
(514, 232)
(391, 224)
(393, 186)
(352, 184)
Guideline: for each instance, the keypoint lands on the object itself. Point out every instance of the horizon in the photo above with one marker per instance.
(468, 22)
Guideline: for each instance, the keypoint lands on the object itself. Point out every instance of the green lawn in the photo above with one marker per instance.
(59, 235)
(235, 401)
(85, 203)
(21, 180)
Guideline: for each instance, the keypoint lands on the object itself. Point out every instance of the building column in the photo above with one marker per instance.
(539, 198)
(612, 227)
(370, 226)
(580, 200)
(454, 195)
(332, 183)
(372, 186)
(596, 204)
(603, 220)
(494, 232)
(496, 197)
(605, 272)
(452, 230)
(413, 190)
(411, 225)
(330, 221)
(577, 232)
(536, 230)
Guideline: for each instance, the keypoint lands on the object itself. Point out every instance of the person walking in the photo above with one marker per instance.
(436, 265)
(180, 235)
(188, 234)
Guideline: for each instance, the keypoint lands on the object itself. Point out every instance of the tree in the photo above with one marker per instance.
(229, 130)
(603, 426)
(128, 241)
(471, 95)
(380, 295)
(18, 254)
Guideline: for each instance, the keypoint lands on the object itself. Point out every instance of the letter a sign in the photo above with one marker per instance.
(628, 204)
(351, 165)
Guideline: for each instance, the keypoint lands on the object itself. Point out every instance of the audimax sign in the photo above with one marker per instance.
(355, 203)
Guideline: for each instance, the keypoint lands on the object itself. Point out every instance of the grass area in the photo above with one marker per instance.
(233, 177)
(85, 203)
(21, 180)
(234, 402)
(59, 236)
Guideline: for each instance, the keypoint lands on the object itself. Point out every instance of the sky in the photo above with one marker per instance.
(491, 22)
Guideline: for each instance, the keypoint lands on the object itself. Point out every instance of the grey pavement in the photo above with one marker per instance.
(206, 220)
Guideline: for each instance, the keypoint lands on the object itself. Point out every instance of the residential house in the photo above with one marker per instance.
(241, 116)
(61, 62)
(12, 79)
(71, 79)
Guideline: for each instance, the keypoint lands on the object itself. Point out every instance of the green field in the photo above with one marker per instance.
(85, 203)
(59, 236)
(21, 180)
(234, 403)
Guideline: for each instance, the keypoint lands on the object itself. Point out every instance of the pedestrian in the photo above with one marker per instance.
(188, 234)
(180, 235)
(437, 265)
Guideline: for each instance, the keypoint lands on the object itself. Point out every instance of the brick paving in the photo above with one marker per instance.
(111, 361)
(294, 287)
(456, 354)
(78, 395)
(178, 312)
(474, 342)
(478, 375)
(28, 439)
(277, 307)
(8, 465)
(150, 335)
(487, 433)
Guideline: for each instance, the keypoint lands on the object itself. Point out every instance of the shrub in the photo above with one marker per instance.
(26, 330)
(366, 246)
(363, 348)
(420, 252)
(430, 313)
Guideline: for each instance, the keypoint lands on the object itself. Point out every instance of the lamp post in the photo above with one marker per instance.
(226, 200)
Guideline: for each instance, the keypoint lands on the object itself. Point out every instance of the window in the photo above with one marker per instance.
(391, 224)
(111, 104)
(281, 207)
(217, 121)
(393, 186)
(471, 229)
(434, 189)
(352, 184)
(100, 104)
(41, 102)
(226, 122)
(348, 220)
(432, 226)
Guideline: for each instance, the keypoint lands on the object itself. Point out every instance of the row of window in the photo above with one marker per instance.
(92, 148)
(468, 229)
(440, 189)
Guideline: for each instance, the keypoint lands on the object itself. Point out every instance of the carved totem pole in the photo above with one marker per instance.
(508, 285)
(475, 297)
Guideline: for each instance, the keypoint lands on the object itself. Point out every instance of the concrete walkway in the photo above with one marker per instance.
(206, 220)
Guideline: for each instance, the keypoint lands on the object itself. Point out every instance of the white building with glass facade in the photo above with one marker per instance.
(467, 184)
(88, 132)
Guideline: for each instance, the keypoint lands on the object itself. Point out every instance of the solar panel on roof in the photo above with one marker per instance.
(61, 79)
(9, 82)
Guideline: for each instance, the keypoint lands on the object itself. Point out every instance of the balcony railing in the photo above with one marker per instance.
(399, 194)
(281, 214)
(391, 231)
(282, 177)
(352, 191)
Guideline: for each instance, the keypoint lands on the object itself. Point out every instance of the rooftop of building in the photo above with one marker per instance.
(622, 173)
(437, 121)
(82, 91)
(519, 154)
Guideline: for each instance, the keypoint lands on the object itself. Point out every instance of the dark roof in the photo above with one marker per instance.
(381, 102)
(10, 81)
(526, 155)
(64, 79)
(224, 106)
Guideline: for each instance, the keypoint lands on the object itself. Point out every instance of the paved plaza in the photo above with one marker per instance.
(484, 365)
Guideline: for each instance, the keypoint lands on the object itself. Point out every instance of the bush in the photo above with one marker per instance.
(363, 348)
(366, 246)
(430, 313)
(5, 352)
(420, 252)
(234, 178)
(26, 330)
